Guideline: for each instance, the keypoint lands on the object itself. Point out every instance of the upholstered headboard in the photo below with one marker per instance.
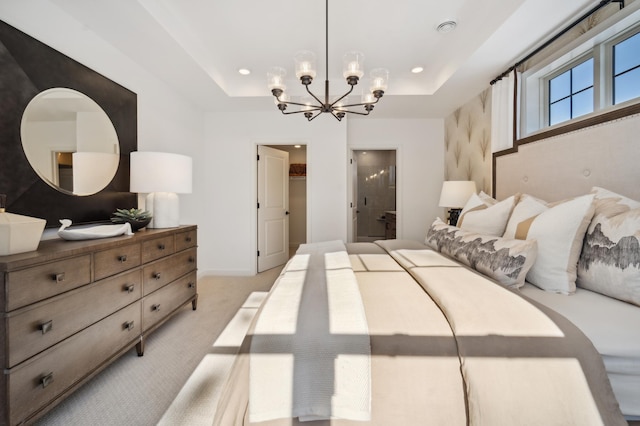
(605, 155)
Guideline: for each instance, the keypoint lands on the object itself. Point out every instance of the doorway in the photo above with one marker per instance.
(282, 222)
(375, 190)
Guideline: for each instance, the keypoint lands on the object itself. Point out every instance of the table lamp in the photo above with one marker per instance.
(454, 195)
(162, 176)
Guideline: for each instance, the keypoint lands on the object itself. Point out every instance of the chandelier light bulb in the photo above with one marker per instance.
(275, 78)
(379, 80)
(305, 63)
(368, 98)
(353, 65)
(284, 98)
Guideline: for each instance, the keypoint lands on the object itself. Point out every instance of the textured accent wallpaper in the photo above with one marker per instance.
(467, 140)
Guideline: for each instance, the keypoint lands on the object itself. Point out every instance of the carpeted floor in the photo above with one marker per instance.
(177, 380)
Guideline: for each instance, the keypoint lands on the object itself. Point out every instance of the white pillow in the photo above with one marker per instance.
(486, 219)
(527, 207)
(559, 230)
(610, 258)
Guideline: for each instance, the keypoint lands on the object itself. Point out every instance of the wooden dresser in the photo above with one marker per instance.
(72, 307)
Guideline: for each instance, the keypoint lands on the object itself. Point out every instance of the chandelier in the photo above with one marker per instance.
(305, 69)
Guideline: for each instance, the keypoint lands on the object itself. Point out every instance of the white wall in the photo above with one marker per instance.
(420, 169)
(231, 196)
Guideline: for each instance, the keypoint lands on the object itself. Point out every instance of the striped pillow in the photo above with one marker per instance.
(559, 230)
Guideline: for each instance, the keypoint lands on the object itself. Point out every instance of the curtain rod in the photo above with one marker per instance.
(557, 36)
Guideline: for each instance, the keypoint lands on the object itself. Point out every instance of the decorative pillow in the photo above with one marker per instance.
(485, 218)
(559, 231)
(486, 198)
(527, 207)
(610, 258)
(506, 261)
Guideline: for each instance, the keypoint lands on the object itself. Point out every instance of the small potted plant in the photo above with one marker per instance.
(138, 218)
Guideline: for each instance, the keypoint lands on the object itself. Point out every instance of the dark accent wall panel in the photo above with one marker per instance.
(28, 67)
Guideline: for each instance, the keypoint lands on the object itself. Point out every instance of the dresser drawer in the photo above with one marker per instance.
(35, 328)
(38, 381)
(31, 285)
(164, 271)
(158, 305)
(116, 260)
(185, 240)
(157, 248)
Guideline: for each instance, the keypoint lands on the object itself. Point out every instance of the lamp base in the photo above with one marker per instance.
(454, 214)
(165, 208)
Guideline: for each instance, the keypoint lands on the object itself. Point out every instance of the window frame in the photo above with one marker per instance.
(533, 114)
(558, 72)
(632, 32)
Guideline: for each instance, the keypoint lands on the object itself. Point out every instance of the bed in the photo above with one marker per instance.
(433, 359)
(480, 324)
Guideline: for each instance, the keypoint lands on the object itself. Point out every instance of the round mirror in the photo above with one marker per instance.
(70, 141)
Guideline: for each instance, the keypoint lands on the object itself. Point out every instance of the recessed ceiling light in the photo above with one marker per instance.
(417, 70)
(244, 71)
(447, 26)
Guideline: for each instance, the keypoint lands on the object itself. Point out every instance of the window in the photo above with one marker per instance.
(596, 73)
(626, 69)
(571, 93)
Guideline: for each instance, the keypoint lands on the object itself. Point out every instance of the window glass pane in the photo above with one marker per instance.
(627, 86)
(626, 54)
(582, 76)
(560, 86)
(582, 103)
(560, 111)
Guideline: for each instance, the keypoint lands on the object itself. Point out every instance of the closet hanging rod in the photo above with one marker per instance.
(557, 36)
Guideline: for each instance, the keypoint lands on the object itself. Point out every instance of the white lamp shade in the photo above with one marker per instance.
(456, 193)
(93, 171)
(160, 172)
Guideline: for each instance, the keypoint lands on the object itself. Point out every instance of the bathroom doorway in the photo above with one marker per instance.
(375, 190)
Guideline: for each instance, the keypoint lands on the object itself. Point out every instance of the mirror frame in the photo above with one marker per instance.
(27, 67)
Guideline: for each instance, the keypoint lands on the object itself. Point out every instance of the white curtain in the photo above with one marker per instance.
(502, 111)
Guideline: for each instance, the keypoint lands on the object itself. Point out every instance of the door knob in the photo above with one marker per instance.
(287, 213)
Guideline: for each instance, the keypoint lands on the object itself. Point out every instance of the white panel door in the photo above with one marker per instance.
(273, 207)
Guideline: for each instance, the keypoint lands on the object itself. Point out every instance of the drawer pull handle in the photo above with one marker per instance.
(58, 277)
(46, 326)
(155, 307)
(122, 258)
(191, 285)
(161, 247)
(192, 259)
(129, 288)
(46, 380)
(128, 325)
(157, 275)
(188, 239)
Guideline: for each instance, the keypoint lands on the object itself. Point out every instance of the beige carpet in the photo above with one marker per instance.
(185, 363)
